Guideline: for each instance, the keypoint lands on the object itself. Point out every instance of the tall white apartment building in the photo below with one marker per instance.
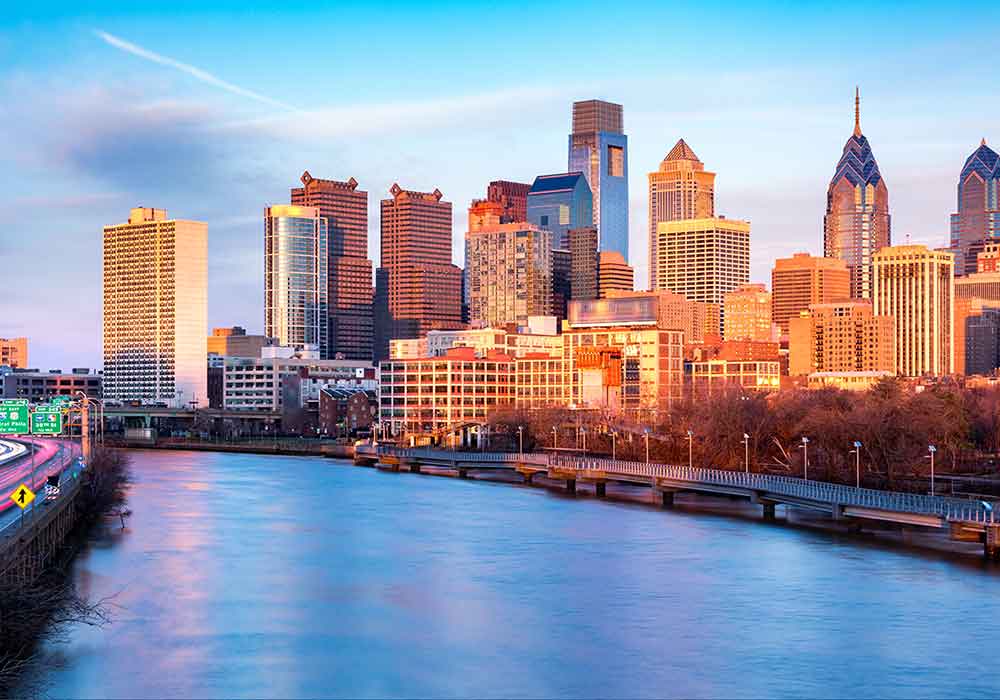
(156, 310)
(916, 285)
(702, 259)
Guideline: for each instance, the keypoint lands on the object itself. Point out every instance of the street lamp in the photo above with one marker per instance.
(520, 440)
(932, 450)
(554, 436)
(746, 451)
(690, 437)
(805, 457)
(645, 433)
(613, 433)
(857, 463)
(583, 432)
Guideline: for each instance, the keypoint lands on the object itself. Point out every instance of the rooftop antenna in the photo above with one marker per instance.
(857, 111)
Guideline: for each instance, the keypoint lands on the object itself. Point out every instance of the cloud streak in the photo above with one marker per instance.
(193, 71)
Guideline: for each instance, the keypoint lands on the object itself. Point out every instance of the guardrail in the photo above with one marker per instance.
(74, 484)
(950, 509)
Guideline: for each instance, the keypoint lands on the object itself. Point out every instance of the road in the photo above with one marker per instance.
(52, 456)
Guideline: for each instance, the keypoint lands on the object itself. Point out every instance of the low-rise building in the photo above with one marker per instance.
(850, 381)
(40, 387)
(712, 377)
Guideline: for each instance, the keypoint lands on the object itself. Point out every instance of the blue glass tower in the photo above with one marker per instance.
(558, 203)
(598, 147)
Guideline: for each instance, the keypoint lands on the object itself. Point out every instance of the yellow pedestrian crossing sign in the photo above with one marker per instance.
(22, 496)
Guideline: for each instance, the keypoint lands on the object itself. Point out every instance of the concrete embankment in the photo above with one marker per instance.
(281, 447)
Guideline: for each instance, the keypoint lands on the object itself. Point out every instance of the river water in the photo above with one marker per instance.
(268, 576)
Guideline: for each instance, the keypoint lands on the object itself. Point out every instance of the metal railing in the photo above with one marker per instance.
(66, 458)
(950, 509)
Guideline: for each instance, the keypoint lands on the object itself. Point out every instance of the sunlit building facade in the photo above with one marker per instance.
(584, 261)
(680, 189)
(613, 274)
(598, 147)
(915, 285)
(843, 336)
(14, 352)
(803, 279)
(977, 222)
(747, 314)
(558, 203)
(155, 310)
(508, 273)
(296, 277)
(857, 221)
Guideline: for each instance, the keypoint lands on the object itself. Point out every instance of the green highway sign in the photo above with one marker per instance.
(47, 421)
(59, 400)
(13, 417)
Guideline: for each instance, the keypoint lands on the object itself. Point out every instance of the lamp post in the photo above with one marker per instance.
(857, 463)
(554, 436)
(932, 450)
(613, 433)
(746, 452)
(583, 432)
(520, 440)
(690, 437)
(805, 457)
(645, 434)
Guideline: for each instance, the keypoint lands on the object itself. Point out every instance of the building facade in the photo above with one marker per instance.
(13, 352)
(680, 189)
(584, 261)
(857, 221)
(418, 289)
(843, 336)
(349, 283)
(155, 310)
(747, 314)
(598, 147)
(234, 342)
(802, 280)
(712, 377)
(613, 274)
(508, 273)
(915, 286)
(702, 259)
(296, 277)
(40, 387)
(977, 221)
(558, 203)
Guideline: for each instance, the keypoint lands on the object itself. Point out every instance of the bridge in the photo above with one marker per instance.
(964, 520)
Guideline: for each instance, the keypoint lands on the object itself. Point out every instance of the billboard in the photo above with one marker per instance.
(614, 311)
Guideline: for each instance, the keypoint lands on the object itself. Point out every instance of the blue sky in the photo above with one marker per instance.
(214, 113)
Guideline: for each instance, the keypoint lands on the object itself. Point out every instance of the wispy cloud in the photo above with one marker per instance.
(193, 71)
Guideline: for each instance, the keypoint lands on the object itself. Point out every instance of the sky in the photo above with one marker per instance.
(213, 111)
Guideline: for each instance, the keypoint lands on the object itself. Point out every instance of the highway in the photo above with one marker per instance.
(52, 456)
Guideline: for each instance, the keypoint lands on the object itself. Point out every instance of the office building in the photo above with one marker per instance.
(13, 352)
(980, 285)
(702, 258)
(41, 387)
(613, 274)
(583, 258)
(562, 287)
(857, 219)
(508, 273)
(843, 336)
(747, 314)
(558, 203)
(349, 283)
(664, 310)
(915, 285)
(680, 189)
(234, 342)
(417, 288)
(296, 277)
(598, 147)
(980, 348)
(512, 198)
(713, 377)
(802, 280)
(155, 309)
(977, 221)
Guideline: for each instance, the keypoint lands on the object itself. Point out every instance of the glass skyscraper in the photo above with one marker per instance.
(296, 277)
(978, 219)
(598, 147)
(558, 203)
(857, 220)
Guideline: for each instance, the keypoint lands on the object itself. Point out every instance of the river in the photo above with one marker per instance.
(269, 576)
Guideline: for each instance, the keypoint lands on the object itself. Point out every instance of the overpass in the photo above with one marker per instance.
(964, 520)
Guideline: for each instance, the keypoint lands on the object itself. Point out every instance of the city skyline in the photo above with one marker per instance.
(222, 140)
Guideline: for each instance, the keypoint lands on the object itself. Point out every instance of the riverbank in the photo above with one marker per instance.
(281, 446)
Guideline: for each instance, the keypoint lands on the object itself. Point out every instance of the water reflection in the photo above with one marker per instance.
(250, 576)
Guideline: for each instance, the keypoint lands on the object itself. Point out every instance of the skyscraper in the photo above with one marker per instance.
(512, 198)
(349, 287)
(915, 285)
(857, 219)
(583, 262)
(509, 273)
(978, 219)
(296, 277)
(156, 309)
(598, 147)
(702, 258)
(801, 280)
(417, 288)
(680, 189)
(558, 203)
(614, 274)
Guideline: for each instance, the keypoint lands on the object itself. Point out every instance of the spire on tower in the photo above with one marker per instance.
(983, 142)
(857, 111)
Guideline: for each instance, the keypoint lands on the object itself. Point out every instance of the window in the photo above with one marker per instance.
(544, 220)
(563, 215)
(616, 161)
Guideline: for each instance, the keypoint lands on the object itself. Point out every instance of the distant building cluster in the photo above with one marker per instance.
(545, 312)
